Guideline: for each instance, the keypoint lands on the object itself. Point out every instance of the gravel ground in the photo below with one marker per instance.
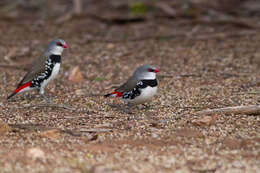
(201, 67)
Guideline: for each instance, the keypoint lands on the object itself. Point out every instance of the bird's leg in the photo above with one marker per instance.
(47, 99)
(124, 109)
(28, 96)
(128, 109)
(121, 108)
(147, 106)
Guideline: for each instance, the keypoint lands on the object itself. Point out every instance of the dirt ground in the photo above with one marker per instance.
(201, 67)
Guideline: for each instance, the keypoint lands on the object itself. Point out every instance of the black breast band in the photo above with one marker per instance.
(55, 58)
(151, 83)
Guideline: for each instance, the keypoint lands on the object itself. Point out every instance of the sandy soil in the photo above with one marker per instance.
(202, 67)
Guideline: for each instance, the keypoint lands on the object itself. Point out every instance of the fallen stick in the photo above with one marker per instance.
(180, 35)
(53, 106)
(246, 23)
(249, 110)
(95, 130)
(39, 127)
(30, 127)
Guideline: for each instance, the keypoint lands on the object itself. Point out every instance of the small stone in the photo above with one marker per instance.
(205, 121)
(79, 92)
(190, 133)
(4, 128)
(101, 169)
(75, 75)
(154, 135)
(231, 143)
(52, 134)
(110, 46)
(35, 153)
(182, 170)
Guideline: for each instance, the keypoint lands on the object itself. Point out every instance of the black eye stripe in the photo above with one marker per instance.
(150, 70)
(58, 44)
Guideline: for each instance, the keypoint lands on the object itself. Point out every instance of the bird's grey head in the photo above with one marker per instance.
(145, 72)
(55, 47)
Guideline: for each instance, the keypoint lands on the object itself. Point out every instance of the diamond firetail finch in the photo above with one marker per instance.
(140, 87)
(43, 70)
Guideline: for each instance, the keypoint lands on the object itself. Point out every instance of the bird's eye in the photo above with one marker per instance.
(58, 44)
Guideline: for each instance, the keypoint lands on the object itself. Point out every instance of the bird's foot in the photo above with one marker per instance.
(47, 99)
(121, 108)
(126, 110)
(147, 106)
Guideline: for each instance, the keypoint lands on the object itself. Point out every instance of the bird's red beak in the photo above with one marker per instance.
(64, 45)
(156, 70)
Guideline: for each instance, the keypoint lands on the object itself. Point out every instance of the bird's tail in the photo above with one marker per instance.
(114, 94)
(107, 95)
(11, 95)
(19, 89)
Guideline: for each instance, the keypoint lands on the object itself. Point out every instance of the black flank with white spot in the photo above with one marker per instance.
(49, 65)
(137, 90)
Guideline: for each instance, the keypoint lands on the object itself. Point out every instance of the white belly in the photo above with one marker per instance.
(146, 95)
(53, 75)
(25, 89)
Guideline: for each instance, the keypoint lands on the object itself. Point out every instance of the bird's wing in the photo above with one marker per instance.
(37, 67)
(128, 86)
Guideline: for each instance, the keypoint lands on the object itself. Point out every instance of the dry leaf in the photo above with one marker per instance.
(75, 75)
(79, 92)
(111, 87)
(190, 133)
(110, 46)
(4, 128)
(99, 168)
(93, 138)
(206, 120)
(35, 153)
(232, 144)
(52, 134)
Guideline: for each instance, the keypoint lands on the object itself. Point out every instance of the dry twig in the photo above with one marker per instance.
(30, 127)
(249, 110)
(53, 106)
(39, 127)
(77, 11)
(77, 6)
(185, 35)
(95, 130)
(228, 20)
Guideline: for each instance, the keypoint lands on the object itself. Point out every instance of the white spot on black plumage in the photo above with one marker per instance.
(138, 89)
(42, 79)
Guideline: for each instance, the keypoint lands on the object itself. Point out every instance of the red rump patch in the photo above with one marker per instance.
(22, 87)
(117, 94)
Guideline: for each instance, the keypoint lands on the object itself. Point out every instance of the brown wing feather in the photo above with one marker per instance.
(128, 86)
(37, 68)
